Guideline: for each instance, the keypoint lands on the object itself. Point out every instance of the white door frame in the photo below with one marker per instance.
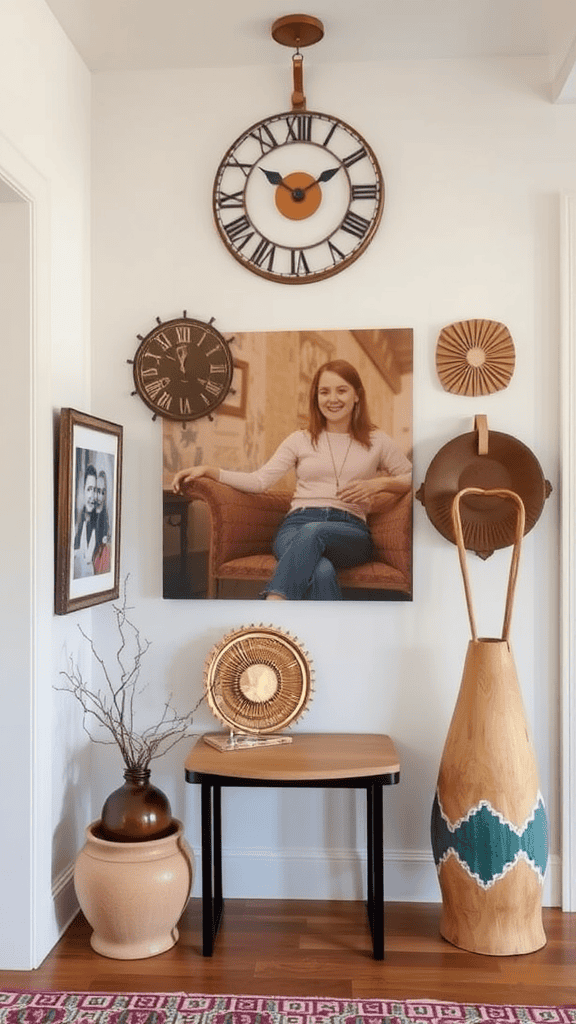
(568, 548)
(28, 900)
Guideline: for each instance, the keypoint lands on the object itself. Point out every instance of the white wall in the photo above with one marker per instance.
(474, 158)
(45, 157)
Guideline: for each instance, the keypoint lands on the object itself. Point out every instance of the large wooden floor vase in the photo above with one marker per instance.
(489, 828)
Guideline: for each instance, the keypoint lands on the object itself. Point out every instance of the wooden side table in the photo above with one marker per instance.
(323, 760)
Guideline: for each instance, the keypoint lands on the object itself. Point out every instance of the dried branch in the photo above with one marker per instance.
(113, 708)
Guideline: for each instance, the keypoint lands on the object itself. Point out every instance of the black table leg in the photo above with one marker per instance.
(369, 853)
(212, 902)
(217, 857)
(375, 863)
(211, 813)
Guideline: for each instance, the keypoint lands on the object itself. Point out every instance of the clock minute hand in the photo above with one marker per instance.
(325, 176)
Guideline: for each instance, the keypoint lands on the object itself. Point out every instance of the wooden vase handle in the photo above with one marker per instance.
(513, 575)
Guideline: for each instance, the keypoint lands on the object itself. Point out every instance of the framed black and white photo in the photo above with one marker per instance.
(88, 511)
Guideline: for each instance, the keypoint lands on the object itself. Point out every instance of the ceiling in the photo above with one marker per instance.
(160, 34)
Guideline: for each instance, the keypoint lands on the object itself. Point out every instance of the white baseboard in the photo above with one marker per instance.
(409, 875)
(64, 902)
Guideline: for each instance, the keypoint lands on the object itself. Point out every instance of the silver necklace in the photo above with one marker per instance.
(338, 473)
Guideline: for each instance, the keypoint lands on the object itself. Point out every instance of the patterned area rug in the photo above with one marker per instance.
(179, 1008)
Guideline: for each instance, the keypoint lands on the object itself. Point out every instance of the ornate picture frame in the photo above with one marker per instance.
(237, 398)
(88, 513)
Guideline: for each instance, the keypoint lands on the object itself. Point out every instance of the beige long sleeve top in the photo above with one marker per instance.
(324, 469)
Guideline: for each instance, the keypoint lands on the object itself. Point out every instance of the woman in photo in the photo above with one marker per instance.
(101, 559)
(85, 536)
(342, 462)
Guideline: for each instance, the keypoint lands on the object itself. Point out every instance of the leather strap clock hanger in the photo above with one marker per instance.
(299, 195)
(488, 460)
(296, 30)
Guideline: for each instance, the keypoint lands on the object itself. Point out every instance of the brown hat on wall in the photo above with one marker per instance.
(489, 460)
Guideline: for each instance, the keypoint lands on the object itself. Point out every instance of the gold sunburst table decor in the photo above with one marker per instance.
(475, 357)
(259, 680)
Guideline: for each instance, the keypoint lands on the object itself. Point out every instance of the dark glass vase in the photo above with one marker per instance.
(137, 811)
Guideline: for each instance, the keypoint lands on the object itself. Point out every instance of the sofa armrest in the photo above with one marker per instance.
(390, 523)
(241, 524)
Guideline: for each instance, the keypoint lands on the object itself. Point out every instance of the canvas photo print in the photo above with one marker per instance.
(300, 486)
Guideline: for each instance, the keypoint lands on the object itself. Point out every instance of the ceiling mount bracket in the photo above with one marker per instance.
(297, 30)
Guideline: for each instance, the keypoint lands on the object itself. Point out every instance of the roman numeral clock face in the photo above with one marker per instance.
(298, 197)
(183, 369)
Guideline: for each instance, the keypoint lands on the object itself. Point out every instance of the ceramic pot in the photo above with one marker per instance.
(133, 894)
(489, 827)
(137, 811)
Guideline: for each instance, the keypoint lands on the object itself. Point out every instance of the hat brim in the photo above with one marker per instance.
(488, 523)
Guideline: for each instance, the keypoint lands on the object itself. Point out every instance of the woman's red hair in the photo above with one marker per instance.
(361, 424)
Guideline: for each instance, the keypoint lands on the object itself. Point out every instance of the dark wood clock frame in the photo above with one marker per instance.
(183, 368)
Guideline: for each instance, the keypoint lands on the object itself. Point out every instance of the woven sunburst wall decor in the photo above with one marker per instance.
(475, 357)
(258, 680)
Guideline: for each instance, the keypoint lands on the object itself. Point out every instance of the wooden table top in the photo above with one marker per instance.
(309, 756)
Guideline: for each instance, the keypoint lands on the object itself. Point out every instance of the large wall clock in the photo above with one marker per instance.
(298, 197)
(183, 368)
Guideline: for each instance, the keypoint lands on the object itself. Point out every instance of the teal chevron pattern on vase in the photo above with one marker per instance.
(486, 844)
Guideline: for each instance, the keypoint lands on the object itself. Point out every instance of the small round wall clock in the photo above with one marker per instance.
(298, 197)
(183, 368)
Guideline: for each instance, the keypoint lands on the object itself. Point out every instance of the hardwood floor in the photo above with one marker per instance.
(302, 947)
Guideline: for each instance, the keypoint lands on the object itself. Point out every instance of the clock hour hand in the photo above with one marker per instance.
(182, 353)
(275, 178)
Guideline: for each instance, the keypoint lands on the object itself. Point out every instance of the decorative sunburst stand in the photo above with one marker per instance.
(259, 681)
(489, 828)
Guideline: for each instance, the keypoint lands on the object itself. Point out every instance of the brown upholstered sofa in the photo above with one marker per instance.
(243, 527)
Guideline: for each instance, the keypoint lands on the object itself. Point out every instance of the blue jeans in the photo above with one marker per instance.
(311, 545)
